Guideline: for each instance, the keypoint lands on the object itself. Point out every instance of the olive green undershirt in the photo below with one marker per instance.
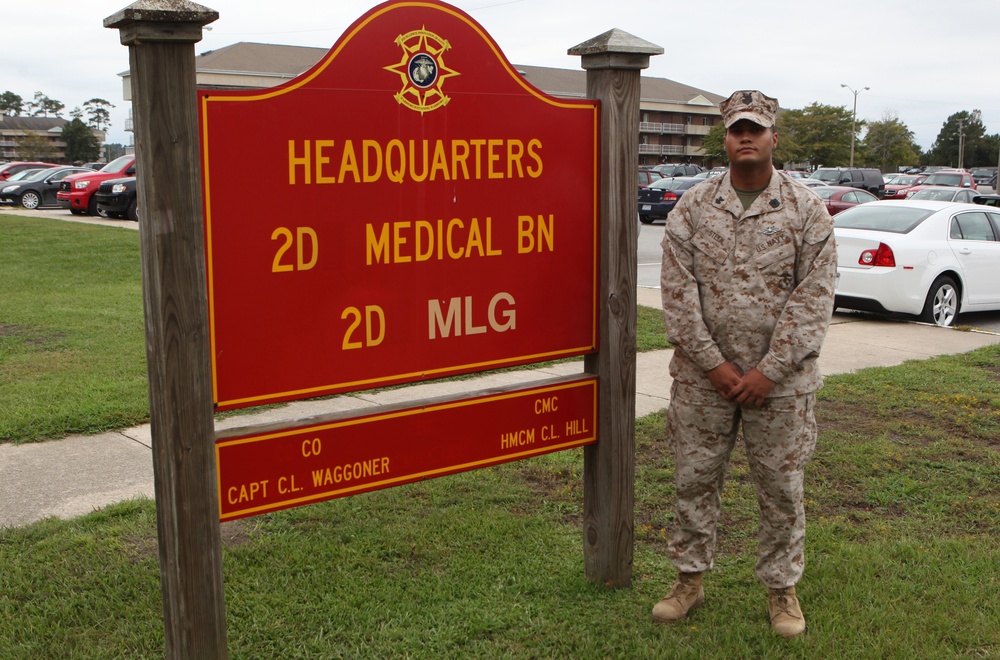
(748, 197)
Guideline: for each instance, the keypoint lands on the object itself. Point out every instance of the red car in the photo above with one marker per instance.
(647, 177)
(841, 198)
(13, 168)
(77, 192)
(902, 184)
(953, 178)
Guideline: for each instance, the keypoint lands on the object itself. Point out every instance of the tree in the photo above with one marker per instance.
(113, 150)
(818, 134)
(714, 145)
(34, 107)
(945, 149)
(11, 104)
(981, 151)
(98, 113)
(43, 106)
(32, 146)
(81, 145)
(889, 144)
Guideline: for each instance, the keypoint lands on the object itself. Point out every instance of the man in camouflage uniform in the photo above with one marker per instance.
(749, 263)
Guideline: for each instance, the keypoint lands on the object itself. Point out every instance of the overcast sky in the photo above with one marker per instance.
(923, 59)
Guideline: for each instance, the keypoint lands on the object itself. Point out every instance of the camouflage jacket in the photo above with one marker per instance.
(752, 287)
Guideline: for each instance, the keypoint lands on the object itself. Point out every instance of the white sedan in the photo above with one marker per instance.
(926, 258)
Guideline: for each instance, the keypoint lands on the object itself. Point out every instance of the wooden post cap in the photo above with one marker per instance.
(161, 20)
(615, 49)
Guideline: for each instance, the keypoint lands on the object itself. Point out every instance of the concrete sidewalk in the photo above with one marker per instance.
(77, 475)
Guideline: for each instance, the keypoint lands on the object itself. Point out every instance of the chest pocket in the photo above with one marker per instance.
(711, 259)
(712, 248)
(770, 257)
(776, 264)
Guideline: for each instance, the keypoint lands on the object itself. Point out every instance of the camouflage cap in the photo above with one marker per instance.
(749, 104)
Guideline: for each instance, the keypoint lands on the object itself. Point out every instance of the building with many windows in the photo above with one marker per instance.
(34, 138)
(674, 117)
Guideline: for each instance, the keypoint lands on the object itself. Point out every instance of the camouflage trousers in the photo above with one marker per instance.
(780, 437)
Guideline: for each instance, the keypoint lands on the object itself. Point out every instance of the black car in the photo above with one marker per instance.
(116, 198)
(984, 176)
(659, 198)
(987, 200)
(864, 178)
(39, 189)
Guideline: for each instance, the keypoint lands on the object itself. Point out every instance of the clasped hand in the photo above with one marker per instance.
(749, 389)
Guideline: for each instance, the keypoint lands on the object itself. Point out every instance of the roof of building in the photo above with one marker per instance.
(288, 61)
(245, 57)
(34, 124)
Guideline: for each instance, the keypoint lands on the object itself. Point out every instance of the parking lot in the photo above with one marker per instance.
(649, 254)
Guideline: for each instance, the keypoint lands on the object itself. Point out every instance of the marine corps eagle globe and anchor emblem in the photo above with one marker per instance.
(422, 70)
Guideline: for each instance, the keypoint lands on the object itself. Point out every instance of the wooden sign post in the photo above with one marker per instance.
(161, 38)
(613, 61)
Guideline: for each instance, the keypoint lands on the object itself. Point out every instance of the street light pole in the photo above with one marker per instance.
(854, 117)
(996, 183)
(961, 142)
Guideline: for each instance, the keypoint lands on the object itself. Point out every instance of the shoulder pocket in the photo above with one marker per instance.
(677, 226)
(819, 230)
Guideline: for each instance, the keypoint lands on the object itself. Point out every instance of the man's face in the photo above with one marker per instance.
(749, 143)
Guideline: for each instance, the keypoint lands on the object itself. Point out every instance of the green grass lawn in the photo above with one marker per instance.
(903, 552)
(72, 352)
(72, 348)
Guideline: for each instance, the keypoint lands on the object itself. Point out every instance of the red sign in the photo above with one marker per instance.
(408, 208)
(310, 464)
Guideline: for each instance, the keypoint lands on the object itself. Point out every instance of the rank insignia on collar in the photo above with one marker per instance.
(719, 200)
(774, 203)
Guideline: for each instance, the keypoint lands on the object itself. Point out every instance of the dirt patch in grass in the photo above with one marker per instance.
(912, 426)
(236, 534)
(30, 336)
(550, 484)
(141, 548)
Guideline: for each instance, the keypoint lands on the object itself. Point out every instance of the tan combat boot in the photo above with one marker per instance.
(786, 615)
(686, 594)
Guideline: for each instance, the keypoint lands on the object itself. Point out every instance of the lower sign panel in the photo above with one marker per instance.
(303, 465)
